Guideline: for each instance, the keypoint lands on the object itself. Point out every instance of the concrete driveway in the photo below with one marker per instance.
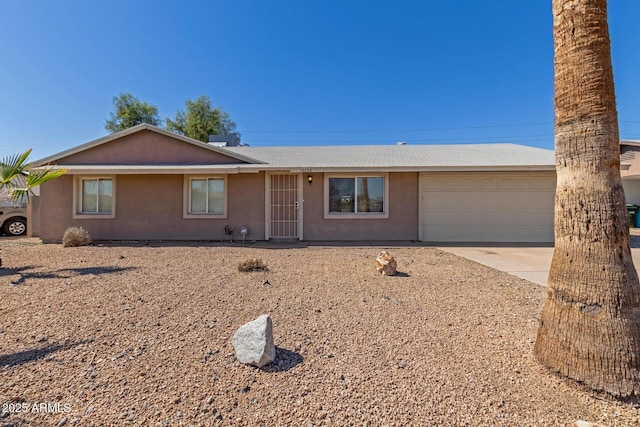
(531, 263)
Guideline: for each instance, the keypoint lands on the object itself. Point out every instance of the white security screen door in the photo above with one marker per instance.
(284, 206)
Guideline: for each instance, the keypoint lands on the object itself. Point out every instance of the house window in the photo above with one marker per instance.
(94, 197)
(206, 196)
(356, 196)
(97, 196)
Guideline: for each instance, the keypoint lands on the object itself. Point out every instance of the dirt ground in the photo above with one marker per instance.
(140, 334)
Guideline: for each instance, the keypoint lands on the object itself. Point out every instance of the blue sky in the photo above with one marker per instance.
(293, 72)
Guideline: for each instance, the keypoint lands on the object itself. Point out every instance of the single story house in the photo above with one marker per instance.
(630, 159)
(146, 183)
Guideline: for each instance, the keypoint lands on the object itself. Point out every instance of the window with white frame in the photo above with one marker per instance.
(95, 196)
(206, 196)
(355, 195)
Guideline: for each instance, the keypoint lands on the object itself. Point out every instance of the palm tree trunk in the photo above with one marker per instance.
(590, 326)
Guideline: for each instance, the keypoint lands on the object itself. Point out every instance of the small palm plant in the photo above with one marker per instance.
(19, 178)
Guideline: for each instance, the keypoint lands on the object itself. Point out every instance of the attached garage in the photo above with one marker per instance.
(504, 207)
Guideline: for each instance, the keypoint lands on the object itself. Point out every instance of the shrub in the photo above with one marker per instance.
(253, 264)
(75, 236)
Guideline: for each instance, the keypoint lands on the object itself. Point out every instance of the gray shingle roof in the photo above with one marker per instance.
(402, 156)
(343, 158)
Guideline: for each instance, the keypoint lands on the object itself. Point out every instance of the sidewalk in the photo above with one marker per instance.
(531, 263)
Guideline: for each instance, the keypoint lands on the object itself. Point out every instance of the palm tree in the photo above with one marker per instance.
(590, 326)
(19, 178)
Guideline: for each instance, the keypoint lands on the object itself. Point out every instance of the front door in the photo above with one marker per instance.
(284, 206)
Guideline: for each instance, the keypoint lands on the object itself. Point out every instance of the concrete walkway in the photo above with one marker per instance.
(531, 263)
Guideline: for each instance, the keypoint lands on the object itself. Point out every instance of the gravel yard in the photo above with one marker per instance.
(140, 334)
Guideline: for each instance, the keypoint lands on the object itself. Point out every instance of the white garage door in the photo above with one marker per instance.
(487, 207)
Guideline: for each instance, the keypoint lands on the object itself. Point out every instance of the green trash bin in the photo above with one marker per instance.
(632, 211)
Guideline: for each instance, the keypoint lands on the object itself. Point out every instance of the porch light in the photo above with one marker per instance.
(309, 179)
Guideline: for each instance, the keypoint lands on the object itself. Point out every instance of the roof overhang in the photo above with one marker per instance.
(149, 169)
(243, 168)
(519, 168)
(631, 143)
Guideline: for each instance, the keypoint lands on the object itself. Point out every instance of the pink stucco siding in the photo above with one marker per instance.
(33, 216)
(402, 223)
(150, 207)
(146, 147)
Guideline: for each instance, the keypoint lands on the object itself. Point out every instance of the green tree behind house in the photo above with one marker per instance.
(130, 111)
(201, 119)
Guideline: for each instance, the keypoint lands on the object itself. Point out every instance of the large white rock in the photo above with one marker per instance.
(253, 342)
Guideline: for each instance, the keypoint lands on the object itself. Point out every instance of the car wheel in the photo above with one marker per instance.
(15, 227)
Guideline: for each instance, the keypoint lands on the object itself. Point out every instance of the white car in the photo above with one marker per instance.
(13, 217)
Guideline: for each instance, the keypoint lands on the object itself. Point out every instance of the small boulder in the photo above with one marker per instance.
(386, 264)
(253, 342)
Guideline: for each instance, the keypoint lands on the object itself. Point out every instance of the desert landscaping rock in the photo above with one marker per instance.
(386, 264)
(253, 342)
(450, 344)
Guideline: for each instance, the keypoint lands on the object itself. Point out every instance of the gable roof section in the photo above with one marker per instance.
(53, 159)
(402, 157)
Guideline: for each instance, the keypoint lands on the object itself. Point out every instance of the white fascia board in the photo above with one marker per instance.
(145, 169)
(199, 169)
(518, 168)
(515, 168)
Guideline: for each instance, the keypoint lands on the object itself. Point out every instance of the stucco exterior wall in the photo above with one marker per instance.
(402, 223)
(56, 204)
(631, 191)
(631, 177)
(150, 207)
(33, 216)
(146, 147)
